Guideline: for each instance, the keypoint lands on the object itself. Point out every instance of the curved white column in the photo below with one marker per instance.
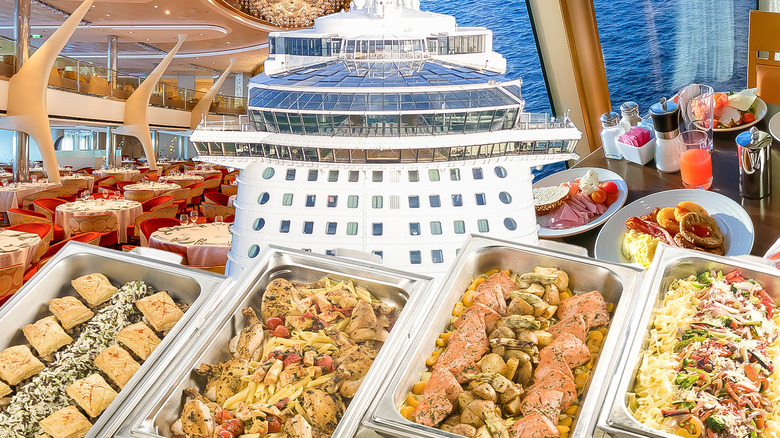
(201, 109)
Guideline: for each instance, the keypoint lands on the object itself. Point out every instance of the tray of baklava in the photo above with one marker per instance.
(80, 335)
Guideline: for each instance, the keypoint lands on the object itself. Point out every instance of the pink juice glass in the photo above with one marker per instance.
(695, 160)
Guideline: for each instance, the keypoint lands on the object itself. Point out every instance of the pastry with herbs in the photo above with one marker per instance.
(46, 336)
(70, 311)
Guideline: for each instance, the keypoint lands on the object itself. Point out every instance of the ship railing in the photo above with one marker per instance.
(542, 121)
(226, 123)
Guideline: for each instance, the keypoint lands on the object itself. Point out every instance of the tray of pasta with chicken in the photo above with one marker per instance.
(294, 353)
(75, 341)
(518, 347)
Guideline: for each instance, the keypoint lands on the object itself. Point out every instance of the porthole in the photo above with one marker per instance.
(505, 197)
(510, 224)
(259, 224)
(254, 250)
(263, 198)
(500, 172)
(268, 173)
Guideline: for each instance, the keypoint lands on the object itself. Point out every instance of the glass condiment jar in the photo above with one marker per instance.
(630, 115)
(611, 130)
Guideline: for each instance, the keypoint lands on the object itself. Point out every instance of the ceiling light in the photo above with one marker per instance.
(201, 34)
(167, 12)
(108, 15)
(155, 6)
(131, 31)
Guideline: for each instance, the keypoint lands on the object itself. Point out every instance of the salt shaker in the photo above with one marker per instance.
(630, 116)
(667, 135)
(755, 163)
(610, 132)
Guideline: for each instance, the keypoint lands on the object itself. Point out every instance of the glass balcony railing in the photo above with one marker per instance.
(87, 78)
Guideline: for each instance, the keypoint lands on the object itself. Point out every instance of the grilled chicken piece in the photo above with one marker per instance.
(323, 409)
(279, 298)
(224, 379)
(342, 342)
(353, 365)
(364, 323)
(197, 417)
(349, 387)
(249, 343)
(296, 427)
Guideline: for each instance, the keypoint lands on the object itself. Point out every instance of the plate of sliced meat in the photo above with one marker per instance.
(593, 196)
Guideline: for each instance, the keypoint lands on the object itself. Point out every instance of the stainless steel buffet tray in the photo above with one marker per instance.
(29, 304)
(670, 264)
(162, 405)
(617, 283)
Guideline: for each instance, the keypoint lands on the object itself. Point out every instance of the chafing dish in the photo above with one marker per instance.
(162, 405)
(616, 282)
(76, 259)
(669, 264)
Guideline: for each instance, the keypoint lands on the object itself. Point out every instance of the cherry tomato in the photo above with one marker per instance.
(721, 99)
(235, 426)
(225, 434)
(291, 359)
(281, 332)
(599, 196)
(325, 361)
(574, 188)
(274, 322)
(748, 118)
(609, 187)
(223, 416)
(611, 198)
(274, 424)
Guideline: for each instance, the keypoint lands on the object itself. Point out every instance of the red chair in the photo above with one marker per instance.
(157, 200)
(212, 183)
(196, 191)
(121, 184)
(91, 238)
(149, 226)
(88, 170)
(217, 198)
(108, 180)
(99, 196)
(20, 215)
(230, 218)
(47, 206)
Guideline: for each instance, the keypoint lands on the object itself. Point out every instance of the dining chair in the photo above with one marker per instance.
(180, 198)
(156, 201)
(106, 180)
(151, 176)
(211, 183)
(11, 278)
(151, 225)
(19, 216)
(229, 177)
(27, 202)
(210, 211)
(106, 224)
(229, 189)
(230, 218)
(764, 73)
(48, 206)
(44, 230)
(139, 195)
(216, 198)
(133, 231)
(92, 238)
(196, 191)
(121, 184)
(87, 170)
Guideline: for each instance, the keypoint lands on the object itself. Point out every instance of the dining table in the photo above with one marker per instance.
(182, 178)
(12, 194)
(18, 247)
(122, 174)
(88, 178)
(202, 244)
(204, 172)
(158, 188)
(125, 211)
(646, 180)
(6, 176)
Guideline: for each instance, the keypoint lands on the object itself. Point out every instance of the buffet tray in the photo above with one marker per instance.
(75, 259)
(162, 404)
(618, 284)
(669, 264)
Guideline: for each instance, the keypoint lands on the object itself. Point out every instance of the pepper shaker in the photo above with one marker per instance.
(667, 136)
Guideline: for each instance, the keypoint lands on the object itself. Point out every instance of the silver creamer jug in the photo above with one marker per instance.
(755, 163)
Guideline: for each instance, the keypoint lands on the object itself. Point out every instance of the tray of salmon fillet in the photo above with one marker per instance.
(519, 342)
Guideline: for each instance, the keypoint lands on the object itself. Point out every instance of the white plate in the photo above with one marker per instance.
(569, 176)
(759, 111)
(774, 126)
(732, 219)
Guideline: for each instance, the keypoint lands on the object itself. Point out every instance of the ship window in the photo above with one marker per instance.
(311, 200)
(333, 176)
(308, 227)
(254, 250)
(480, 198)
(354, 175)
(352, 228)
(500, 172)
(330, 252)
(330, 228)
(333, 200)
(457, 200)
(290, 175)
(414, 228)
(435, 201)
(415, 257)
(510, 224)
(414, 202)
(376, 201)
(284, 227)
(436, 227)
(454, 174)
(263, 198)
(505, 197)
(352, 201)
(376, 229)
(379, 253)
(377, 176)
(312, 175)
(460, 227)
(433, 174)
(414, 176)
(482, 226)
(287, 199)
(477, 172)
(268, 173)
(259, 224)
(437, 256)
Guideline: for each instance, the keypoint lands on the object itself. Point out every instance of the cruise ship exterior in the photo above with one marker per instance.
(384, 132)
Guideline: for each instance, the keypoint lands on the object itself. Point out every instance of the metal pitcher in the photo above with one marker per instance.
(755, 163)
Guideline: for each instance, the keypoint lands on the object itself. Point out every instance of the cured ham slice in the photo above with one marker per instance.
(577, 211)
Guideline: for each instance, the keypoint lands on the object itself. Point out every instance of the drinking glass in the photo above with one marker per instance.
(34, 179)
(184, 219)
(218, 218)
(194, 216)
(697, 110)
(695, 160)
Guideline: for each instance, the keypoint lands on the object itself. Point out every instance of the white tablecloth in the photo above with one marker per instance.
(123, 174)
(204, 244)
(204, 172)
(11, 196)
(182, 178)
(125, 211)
(90, 179)
(7, 176)
(18, 247)
(157, 187)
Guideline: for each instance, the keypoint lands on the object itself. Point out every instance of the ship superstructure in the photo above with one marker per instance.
(388, 131)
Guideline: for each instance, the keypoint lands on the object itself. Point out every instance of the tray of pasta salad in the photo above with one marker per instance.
(702, 356)
(518, 343)
(80, 337)
(296, 349)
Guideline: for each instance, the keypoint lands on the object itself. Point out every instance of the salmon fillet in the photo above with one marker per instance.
(461, 349)
(433, 409)
(590, 305)
(471, 331)
(534, 425)
(559, 381)
(490, 316)
(491, 297)
(458, 364)
(574, 351)
(443, 380)
(553, 362)
(501, 280)
(546, 401)
(575, 325)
